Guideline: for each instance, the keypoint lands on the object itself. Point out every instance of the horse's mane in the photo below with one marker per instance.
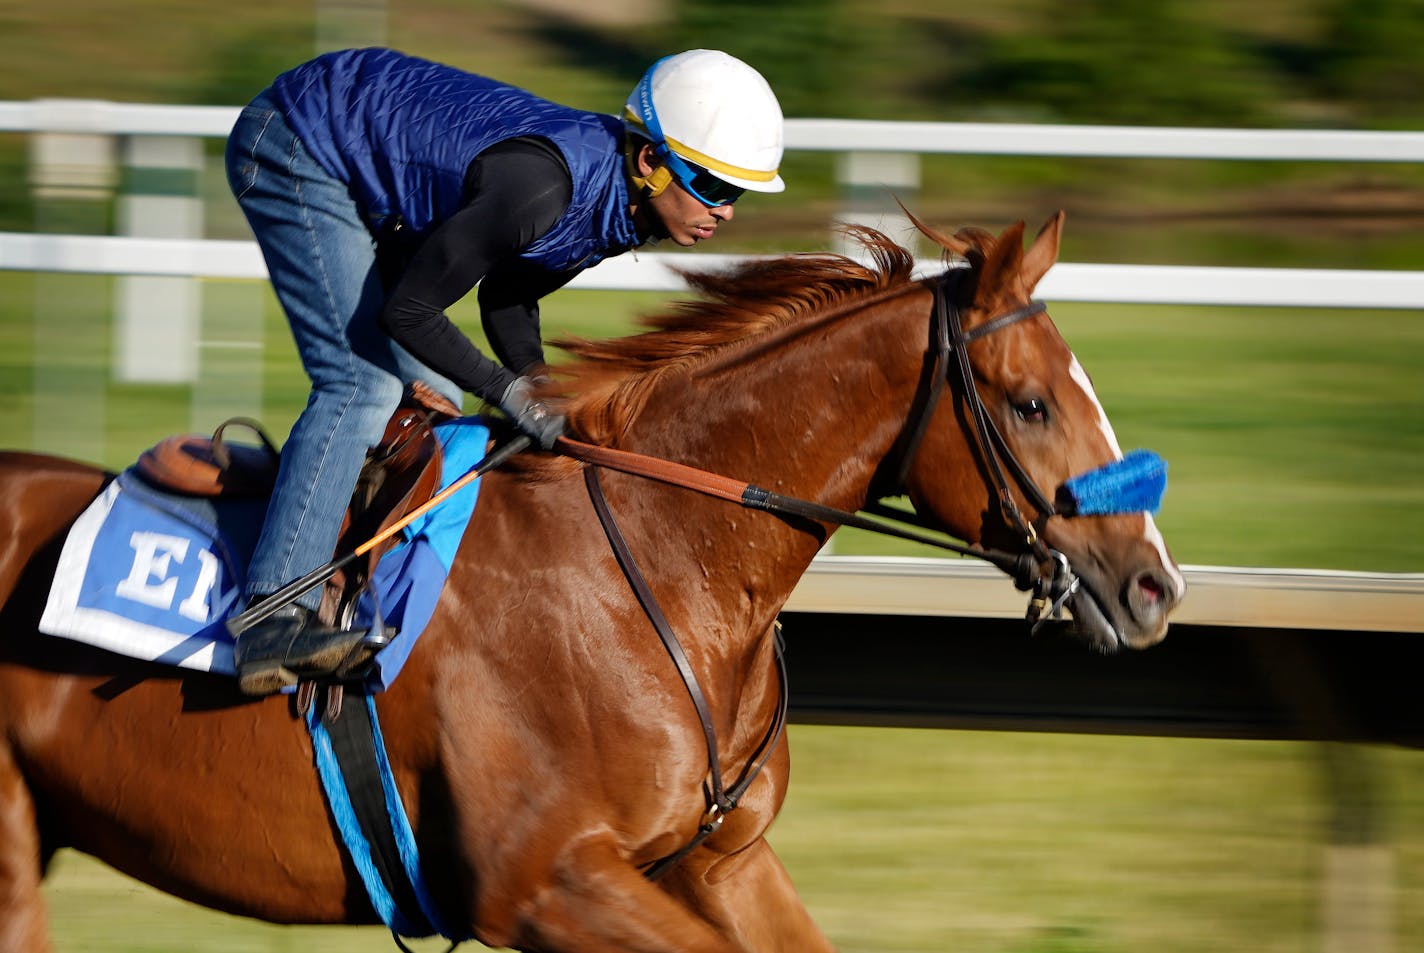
(608, 382)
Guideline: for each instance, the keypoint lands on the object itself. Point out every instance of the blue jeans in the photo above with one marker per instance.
(322, 262)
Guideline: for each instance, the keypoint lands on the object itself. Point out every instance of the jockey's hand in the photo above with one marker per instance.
(531, 414)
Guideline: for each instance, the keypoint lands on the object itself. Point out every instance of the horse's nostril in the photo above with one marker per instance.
(1151, 588)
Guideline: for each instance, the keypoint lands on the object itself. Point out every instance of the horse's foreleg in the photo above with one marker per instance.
(594, 902)
(749, 897)
(22, 916)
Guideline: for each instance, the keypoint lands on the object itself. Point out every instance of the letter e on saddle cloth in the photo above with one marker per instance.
(401, 472)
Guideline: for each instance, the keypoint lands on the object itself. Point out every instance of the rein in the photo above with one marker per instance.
(950, 339)
(753, 497)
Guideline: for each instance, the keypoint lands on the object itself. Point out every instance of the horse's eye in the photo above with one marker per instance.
(1032, 411)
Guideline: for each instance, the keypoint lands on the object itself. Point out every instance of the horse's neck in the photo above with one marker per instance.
(812, 418)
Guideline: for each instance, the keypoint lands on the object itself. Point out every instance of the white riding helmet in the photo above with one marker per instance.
(714, 111)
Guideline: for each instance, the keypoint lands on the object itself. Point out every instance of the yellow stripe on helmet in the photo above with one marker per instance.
(716, 165)
(704, 160)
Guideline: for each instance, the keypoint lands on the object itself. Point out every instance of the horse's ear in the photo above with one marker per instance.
(1003, 261)
(952, 245)
(1044, 251)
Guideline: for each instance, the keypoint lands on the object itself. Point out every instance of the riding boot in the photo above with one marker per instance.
(291, 644)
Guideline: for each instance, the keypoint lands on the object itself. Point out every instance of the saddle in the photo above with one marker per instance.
(401, 472)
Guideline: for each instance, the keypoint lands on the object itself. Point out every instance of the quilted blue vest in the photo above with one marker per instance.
(401, 132)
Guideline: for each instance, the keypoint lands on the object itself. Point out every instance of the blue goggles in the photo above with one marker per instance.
(702, 185)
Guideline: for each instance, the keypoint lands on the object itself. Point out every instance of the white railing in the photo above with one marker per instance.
(1144, 284)
(833, 135)
(126, 255)
(653, 271)
(1302, 599)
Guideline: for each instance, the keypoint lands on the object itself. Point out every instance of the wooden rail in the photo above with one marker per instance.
(1216, 596)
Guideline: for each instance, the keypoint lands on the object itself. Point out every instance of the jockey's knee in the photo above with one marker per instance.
(364, 405)
(382, 391)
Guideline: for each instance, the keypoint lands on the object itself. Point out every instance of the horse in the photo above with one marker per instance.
(542, 742)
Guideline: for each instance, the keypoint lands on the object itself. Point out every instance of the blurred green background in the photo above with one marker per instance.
(1295, 436)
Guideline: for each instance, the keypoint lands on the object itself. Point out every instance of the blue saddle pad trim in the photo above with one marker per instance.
(410, 577)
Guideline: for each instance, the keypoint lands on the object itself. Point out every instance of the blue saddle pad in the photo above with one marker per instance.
(154, 575)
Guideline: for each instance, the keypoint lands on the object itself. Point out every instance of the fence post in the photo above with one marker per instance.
(71, 174)
(156, 326)
(870, 183)
(1358, 891)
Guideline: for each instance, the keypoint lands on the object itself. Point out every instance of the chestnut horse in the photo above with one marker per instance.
(541, 740)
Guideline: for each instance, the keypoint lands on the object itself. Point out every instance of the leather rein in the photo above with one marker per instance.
(1051, 589)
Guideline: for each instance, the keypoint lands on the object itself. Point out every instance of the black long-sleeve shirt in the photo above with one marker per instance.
(514, 192)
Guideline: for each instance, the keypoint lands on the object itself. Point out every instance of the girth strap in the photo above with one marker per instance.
(354, 746)
(366, 808)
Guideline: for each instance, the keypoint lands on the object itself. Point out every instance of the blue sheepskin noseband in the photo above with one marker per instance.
(1134, 484)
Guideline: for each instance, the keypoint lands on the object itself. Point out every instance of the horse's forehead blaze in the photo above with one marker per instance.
(1080, 377)
(1159, 545)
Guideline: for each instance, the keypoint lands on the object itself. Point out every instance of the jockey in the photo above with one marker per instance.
(382, 189)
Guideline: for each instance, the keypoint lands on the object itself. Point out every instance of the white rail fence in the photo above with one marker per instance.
(1299, 599)
(169, 328)
(652, 271)
(75, 140)
(831, 135)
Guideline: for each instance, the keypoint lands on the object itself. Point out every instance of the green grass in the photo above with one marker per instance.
(1294, 437)
(995, 843)
(979, 842)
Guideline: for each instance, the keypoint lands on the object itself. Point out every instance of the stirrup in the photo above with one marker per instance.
(292, 644)
(355, 665)
(269, 676)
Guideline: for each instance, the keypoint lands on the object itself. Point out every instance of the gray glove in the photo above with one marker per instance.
(531, 414)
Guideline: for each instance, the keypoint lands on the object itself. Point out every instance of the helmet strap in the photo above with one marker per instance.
(655, 182)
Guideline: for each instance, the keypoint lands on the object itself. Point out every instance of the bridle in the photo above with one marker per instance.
(1037, 567)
